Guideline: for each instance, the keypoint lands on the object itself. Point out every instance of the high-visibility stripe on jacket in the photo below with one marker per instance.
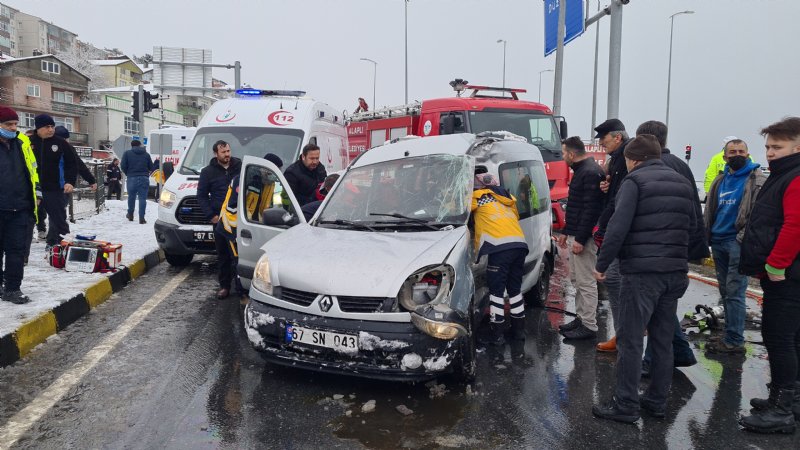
(496, 221)
(30, 163)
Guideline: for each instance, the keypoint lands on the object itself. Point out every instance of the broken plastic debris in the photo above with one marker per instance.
(338, 396)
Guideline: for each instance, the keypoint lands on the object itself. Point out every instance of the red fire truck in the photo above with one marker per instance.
(484, 109)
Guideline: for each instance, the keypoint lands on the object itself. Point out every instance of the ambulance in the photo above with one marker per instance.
(255, 122)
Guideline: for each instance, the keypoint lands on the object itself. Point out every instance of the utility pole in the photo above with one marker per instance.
(594, 84)
(614, 58)
(405, 4)
(562, 17)
(504, 62)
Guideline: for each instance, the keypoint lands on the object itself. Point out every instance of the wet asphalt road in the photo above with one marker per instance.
(186, 377)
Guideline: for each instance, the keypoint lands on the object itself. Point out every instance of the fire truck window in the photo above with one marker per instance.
(459, 124)
(527, 182)
(263, 190)
(377, 137)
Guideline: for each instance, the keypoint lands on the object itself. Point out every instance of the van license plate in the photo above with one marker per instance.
(204, 236)
(320, 338)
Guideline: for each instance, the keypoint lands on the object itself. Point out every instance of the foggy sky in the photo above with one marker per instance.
(735, 62)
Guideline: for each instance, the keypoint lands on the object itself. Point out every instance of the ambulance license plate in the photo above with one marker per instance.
(204, 236)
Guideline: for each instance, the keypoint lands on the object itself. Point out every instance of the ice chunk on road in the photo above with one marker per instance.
(368, 407)
(404, 410)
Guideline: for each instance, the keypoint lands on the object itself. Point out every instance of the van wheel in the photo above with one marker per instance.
(537, 296)
(178, 260)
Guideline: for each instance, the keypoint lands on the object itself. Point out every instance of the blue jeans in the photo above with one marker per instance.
(137, 188)
(732, 289)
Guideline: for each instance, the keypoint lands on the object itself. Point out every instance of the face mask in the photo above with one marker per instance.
(7, 134)
(737, 162)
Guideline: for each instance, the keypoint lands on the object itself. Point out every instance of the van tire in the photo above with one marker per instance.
(178, 260)
(537, 296)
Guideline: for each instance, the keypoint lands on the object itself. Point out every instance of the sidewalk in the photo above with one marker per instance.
(58, 298)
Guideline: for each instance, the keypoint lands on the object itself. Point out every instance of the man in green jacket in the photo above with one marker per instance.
(19, 186)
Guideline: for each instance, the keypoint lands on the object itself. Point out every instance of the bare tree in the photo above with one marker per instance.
(79, 57)
(144, 60)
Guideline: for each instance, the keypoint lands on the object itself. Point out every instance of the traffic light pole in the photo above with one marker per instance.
(139, 112)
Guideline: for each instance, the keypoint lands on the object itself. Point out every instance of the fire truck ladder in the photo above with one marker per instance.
(412, 109)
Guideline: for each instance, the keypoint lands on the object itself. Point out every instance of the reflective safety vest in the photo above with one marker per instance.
(496, 222)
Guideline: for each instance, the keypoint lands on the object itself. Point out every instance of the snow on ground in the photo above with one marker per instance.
(49, 287)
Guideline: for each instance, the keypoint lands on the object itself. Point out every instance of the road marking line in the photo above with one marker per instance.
(22, 421)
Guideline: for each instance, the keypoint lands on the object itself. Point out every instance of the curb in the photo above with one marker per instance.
(14, 346)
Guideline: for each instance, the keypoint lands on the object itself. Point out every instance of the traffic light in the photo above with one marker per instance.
(135, 107)
(688, 152)
(148, 101)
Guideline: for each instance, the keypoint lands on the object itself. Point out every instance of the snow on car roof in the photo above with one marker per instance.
(453, 144)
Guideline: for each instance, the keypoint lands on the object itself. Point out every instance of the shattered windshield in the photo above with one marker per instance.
(539, 129)
(252, 141)
(424, 192)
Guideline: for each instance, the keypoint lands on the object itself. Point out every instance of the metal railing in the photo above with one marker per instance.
(83, 202)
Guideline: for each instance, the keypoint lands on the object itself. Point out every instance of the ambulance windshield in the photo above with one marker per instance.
(252, 141)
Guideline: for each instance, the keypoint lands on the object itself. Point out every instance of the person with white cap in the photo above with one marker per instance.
(717, 164)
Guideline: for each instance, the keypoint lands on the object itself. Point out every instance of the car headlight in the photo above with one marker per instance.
(167, 198)
(439, 321)
(261, 278)
(430, 285)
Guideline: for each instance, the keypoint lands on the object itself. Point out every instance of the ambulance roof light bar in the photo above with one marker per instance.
(476, 89)
(249, 92)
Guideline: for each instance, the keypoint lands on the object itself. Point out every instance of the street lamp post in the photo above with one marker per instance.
(504, 61)
(540, 82)
(669, 71)
(374, 80)
(405, 5)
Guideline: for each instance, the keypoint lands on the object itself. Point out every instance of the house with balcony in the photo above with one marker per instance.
(8, 30)
(46, 85)
(36, 37)
(120, 72)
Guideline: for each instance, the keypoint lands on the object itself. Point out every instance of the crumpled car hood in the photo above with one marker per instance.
(353, 262)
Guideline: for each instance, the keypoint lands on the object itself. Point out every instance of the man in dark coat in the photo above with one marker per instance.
(584, 203)
(58, 173)
(650, 238)
(212, 189)
(771, 252)
(113, 177)
(613, 138)
(137, 165)
(306, 174)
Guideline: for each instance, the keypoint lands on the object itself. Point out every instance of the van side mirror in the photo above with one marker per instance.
(278, 217)
(448, 125)
(559, 216)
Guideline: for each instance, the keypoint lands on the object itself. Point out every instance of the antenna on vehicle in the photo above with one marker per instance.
(281, 104)
(296, 102)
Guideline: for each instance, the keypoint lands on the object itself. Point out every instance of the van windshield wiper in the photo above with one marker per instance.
(425, 222)
(349, 223)
(192, 170)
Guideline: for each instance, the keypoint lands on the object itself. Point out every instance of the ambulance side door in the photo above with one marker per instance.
(266, 208)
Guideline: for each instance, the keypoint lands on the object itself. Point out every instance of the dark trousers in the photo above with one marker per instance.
(15, 230)
(504, 272)
(114, 188)
(681, 350)
(226, 263)
(648, 301)
(55, 204)
(41, 222)
(780, 328)
(137, 189)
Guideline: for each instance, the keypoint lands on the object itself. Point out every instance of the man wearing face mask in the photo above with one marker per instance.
(729, 202)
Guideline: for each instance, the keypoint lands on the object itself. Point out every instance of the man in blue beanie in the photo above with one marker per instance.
(137, 165)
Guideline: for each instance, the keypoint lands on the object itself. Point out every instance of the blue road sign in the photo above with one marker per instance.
(574, 23)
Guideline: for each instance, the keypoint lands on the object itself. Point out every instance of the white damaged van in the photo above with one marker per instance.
(254, 123)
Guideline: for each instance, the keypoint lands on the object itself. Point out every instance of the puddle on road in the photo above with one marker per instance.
(435, 414)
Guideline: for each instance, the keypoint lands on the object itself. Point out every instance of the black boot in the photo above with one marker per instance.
(571, 325)
(761, 404)
(778, 418)
(518, 328)
(496, 333)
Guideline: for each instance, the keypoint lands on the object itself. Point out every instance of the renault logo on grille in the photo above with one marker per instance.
(325, 304)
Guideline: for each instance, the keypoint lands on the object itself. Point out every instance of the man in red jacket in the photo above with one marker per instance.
(771, 251)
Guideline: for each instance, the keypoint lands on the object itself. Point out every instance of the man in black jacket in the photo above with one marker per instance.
(211, 191)
(58, 172)
(306, 174)
(698, 247)
(583, 209)
(613, 138)
(650, 237)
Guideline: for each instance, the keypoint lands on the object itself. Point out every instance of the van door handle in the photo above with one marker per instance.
(247, 234)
